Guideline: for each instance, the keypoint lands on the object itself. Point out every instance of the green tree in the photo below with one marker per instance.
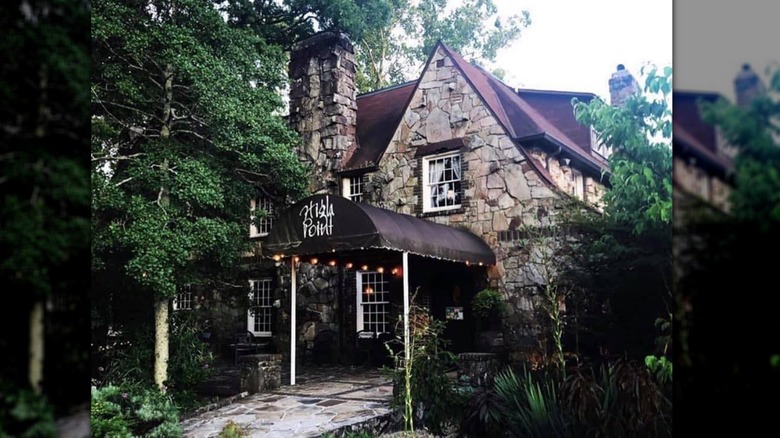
(623, 259)
(391, 53)
(722, 254)
(44, 178)
(185, 131)
(639, 138)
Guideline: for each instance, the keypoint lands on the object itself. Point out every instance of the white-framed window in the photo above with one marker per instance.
(183, 299)
(262, 216)
(259, 313)
(373, 302)
(441, 182)
(352, 187)
(600, 149)
(578, 184)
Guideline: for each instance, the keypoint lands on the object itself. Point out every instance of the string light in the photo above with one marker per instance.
(369, 290)
(314, 260)
(277, 257)
(348, 265)
(380, 270)
(468, 263)
(297, 259)
(332, 263)
(394, 271)
(480, 263)
(364, 268)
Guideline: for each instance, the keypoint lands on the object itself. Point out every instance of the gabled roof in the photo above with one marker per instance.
(527, 115)
(692, 135)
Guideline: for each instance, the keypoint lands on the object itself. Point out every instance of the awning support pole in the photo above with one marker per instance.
(293, 297)
(407, 351)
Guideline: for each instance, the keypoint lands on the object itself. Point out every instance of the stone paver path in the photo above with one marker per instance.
(321, 401)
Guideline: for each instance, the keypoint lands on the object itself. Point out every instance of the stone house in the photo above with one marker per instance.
(703, 160)
(458, 157)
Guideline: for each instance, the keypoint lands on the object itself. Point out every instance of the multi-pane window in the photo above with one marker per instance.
(442, 182)
(373, 302)
(262, 217)
(259, 314)
(183, 299)
(578, 184)
(353, 188)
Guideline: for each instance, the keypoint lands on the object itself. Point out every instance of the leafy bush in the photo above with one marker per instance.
(433, 394)
(25, 414)
(483, 413)
(190, 360)
(531, 407)
(486, 300)
(133, 411)
(623, 399)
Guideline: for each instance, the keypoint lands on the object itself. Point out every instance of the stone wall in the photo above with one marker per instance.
(696, 181)
(501, 190)
(323, 105)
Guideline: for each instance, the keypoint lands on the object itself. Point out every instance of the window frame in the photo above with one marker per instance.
(361, 305)
(264, 224)
(426, 185)
(186, 290)
(348, 183)
(578, 182)
(251, 316)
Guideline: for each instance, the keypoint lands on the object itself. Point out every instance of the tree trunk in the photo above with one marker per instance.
(160, 303)
(160, 341)
(35, 368)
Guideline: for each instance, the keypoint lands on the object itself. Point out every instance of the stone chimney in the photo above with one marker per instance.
(622, 85)
(747, 86)
(323, 104)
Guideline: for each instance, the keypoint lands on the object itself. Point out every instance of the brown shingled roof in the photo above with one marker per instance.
(378, 115)
(526, 115)
(692, 135)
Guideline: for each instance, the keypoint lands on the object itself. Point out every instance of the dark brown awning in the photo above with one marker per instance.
(326, 223)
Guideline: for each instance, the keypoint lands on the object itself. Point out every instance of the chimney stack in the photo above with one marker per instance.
(747, 86)
(323, 104)
(622, 85)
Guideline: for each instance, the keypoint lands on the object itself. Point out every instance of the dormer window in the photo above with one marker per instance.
(261, 216)
(442, 182)
(599, 149)
(352, 188)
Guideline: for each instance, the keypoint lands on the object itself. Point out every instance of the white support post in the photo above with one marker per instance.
(406, 307)
(293, 297)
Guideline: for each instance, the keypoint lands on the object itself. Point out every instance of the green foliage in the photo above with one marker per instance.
(232, 430)
(639, 138)
(752, 130)
(487, 300)
(532, 407)
(621, 399)
(172, 184)
(119, 411)
(190, 362)
(392, 52)
(661, 367)
(25, 414)
(774, 360)
(430, 392)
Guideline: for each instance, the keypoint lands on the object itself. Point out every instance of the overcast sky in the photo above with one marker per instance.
(575, 45)
(713, 38)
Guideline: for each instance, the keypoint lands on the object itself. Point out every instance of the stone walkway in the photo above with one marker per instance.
(324, 399)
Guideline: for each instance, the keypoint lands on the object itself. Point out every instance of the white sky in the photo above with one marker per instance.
(575, 45)
(713, 38)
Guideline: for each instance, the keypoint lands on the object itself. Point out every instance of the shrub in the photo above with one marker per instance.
(133, 411)
(25, 414)
(531, 407)
(487, 300)
(433, 394)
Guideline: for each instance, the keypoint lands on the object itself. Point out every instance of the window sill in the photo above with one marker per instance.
(458, 210)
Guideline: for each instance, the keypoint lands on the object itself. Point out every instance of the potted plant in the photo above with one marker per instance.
(488, 306)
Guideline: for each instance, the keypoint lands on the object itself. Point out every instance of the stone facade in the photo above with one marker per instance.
(501, 191)
(696, 181)
(323, 106)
